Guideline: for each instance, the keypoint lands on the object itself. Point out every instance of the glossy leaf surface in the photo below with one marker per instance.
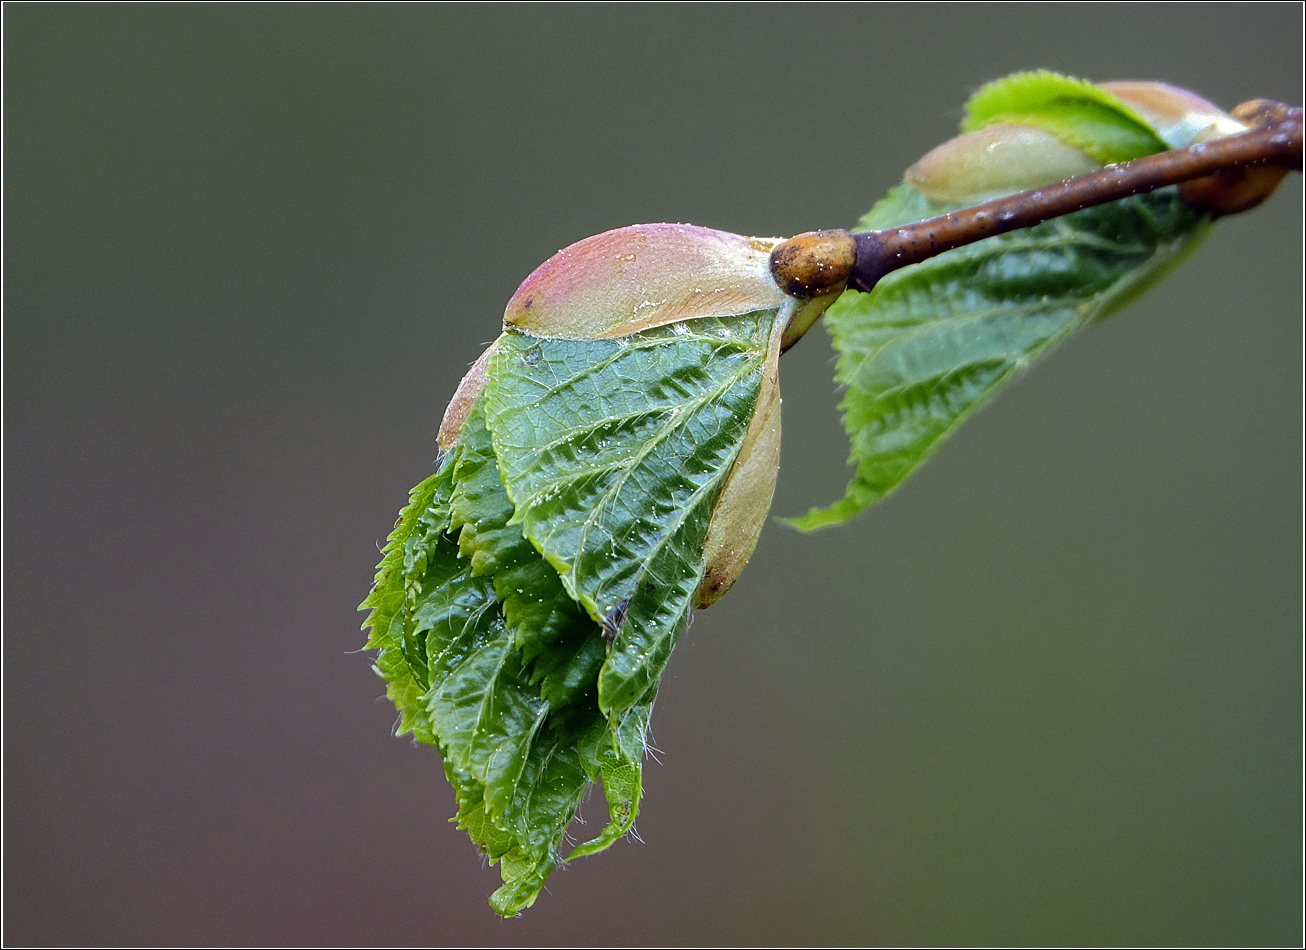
(615, 453)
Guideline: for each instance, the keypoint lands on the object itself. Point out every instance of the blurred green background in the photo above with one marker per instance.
(1048, 693)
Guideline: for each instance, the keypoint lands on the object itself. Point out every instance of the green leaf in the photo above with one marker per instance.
(933, 342)
(489, 658)
(519, 716)
(456, 677)
(617, 757)
(547, 625)
(1073, 110)
(613, 453)
(516, 794)
(393, 599)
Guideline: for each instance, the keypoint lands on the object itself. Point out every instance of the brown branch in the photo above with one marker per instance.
(1276, 142)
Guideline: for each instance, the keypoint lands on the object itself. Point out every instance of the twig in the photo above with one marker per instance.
(1276, 142)
(1222, 176)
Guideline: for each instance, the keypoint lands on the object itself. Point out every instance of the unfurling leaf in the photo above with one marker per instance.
(602, 479)
(932, 342)
(1076, 112)
(614, 453)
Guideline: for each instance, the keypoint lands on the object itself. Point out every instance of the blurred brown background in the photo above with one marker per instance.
(1050, 692)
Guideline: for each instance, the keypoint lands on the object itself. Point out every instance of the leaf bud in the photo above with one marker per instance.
(637, 278)
(627, 280)
(464, 397)
(741, 508)
(814, 263)
(1178, 116)
(644, 276)
(1182, 118)
(996, 160)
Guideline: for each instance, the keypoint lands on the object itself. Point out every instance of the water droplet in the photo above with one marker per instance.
(532, 356)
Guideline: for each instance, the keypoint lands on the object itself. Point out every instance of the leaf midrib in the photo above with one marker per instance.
(678, 420)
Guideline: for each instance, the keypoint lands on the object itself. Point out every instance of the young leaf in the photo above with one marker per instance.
(1076, 112)
(536, 607)
(617, 451)
(394, 597)
(933, 342)
(614, 453)
(523, 627)
(510, 731)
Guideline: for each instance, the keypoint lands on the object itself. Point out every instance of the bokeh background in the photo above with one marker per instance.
(1048, 693)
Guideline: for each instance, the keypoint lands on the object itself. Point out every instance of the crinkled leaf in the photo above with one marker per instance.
(392, 603)
(487, 717)
(488, 658)
(536, 605)
(534, 769)
(614, 453)
(1073, 110)
(932, 342)
(450, 657)
(617, 756)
